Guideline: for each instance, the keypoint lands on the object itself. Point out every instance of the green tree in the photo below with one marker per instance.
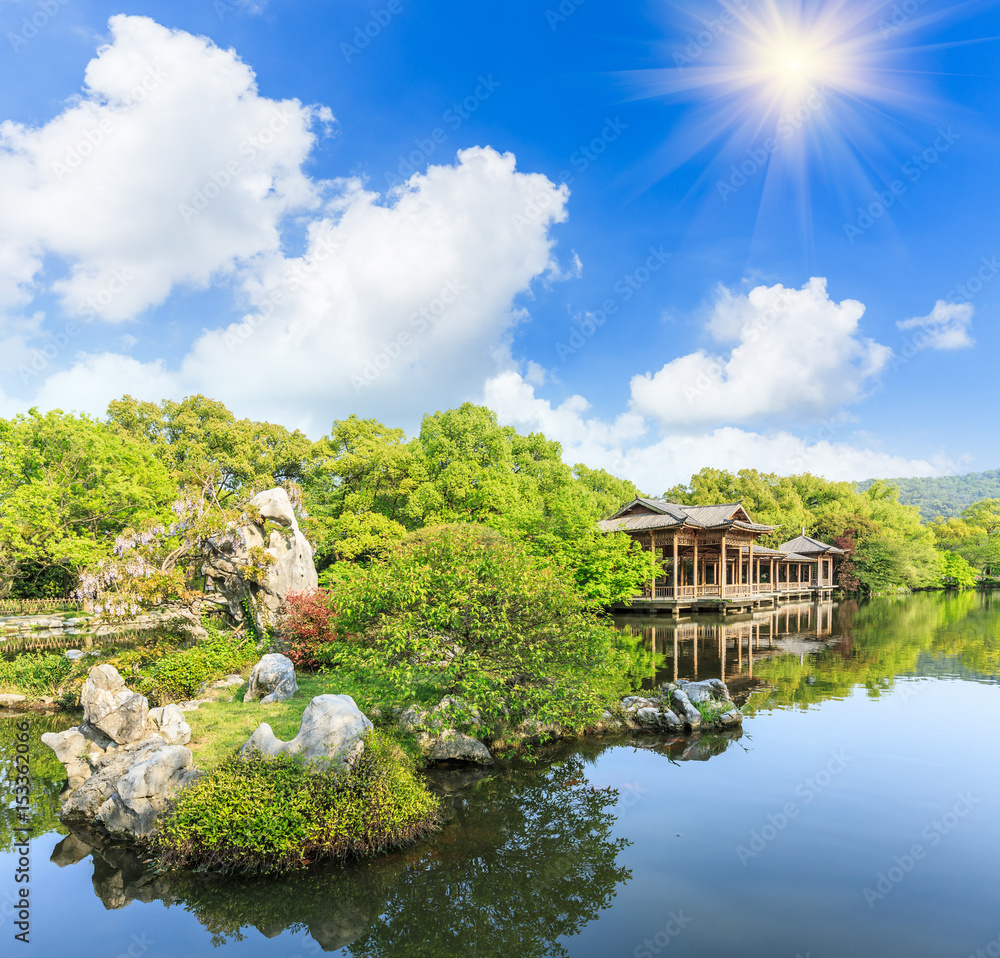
(69, 485)
(956, 572)
(204, 445)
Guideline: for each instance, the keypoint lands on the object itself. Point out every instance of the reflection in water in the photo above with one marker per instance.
(809, 652)
(525, 858)
(729, 647)
(47, 776)
(532, 860)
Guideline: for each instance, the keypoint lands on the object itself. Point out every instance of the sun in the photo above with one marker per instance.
(810, 82)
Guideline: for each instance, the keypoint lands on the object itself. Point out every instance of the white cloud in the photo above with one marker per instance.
(793, 352)
(945, 327)
(394, 298)
(168, 169)
(660, 463)
(171, 169)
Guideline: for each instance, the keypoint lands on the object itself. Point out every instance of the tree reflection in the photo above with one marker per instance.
(527, 857)
(47, 777)
(875, 642)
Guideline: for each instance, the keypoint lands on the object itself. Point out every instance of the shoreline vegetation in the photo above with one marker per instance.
(462, 588)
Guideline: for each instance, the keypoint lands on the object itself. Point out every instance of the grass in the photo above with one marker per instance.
(219, 729)
(710, 711)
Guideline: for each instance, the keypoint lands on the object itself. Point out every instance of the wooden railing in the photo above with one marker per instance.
(738, 590)
(33, 606)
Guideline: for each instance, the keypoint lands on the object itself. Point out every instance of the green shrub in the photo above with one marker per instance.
(273, 815)
(180, 674)
(40, 674)
(461, 610)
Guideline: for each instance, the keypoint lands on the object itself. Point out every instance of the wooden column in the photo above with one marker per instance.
(652, 565)
(676, 594)
(694, 565)
(722, 568)
(751, 575)
(774, 585)
(675, 653)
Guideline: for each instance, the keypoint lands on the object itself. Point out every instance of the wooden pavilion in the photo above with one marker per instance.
(707, 557)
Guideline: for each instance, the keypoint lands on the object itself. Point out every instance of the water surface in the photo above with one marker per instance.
(857, 813)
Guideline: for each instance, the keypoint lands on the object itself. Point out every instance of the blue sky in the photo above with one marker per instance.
(613, 223)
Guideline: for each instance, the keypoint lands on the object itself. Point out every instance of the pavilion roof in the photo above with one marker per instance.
(804, 543)
(661, 514)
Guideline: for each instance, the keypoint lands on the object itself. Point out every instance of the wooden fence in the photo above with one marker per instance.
(36, 606)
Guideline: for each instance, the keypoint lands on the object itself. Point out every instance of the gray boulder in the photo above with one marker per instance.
(680, 702)
(71, 748)
(8, 700)
(272, 679)
(332, 733)
(143, 792)
(458, 747)
(113, 708)
(437, 740)
(169, 724)
(293, 569)
(659, 719)
(81, 803)
(706, 691)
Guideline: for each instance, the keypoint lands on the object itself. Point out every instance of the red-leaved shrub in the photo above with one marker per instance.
(311, 623)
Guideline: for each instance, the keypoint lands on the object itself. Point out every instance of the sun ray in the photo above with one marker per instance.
(794, 89)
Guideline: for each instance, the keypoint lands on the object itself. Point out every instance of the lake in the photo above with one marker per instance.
(856, 814)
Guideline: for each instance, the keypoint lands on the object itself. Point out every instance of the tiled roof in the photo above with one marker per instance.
(806, 543)
(672, 515)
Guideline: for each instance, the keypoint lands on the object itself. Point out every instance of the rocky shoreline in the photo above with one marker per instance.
(126, 762)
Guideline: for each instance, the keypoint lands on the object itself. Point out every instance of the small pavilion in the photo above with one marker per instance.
(702, 556)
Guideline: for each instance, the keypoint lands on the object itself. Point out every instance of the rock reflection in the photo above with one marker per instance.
(526, 857)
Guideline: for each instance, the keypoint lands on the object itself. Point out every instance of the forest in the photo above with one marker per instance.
(79, 493)
(945, 496)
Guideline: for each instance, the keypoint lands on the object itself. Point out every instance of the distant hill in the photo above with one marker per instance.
(946, 495)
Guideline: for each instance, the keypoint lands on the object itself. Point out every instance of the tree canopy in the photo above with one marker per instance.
(71, 486)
